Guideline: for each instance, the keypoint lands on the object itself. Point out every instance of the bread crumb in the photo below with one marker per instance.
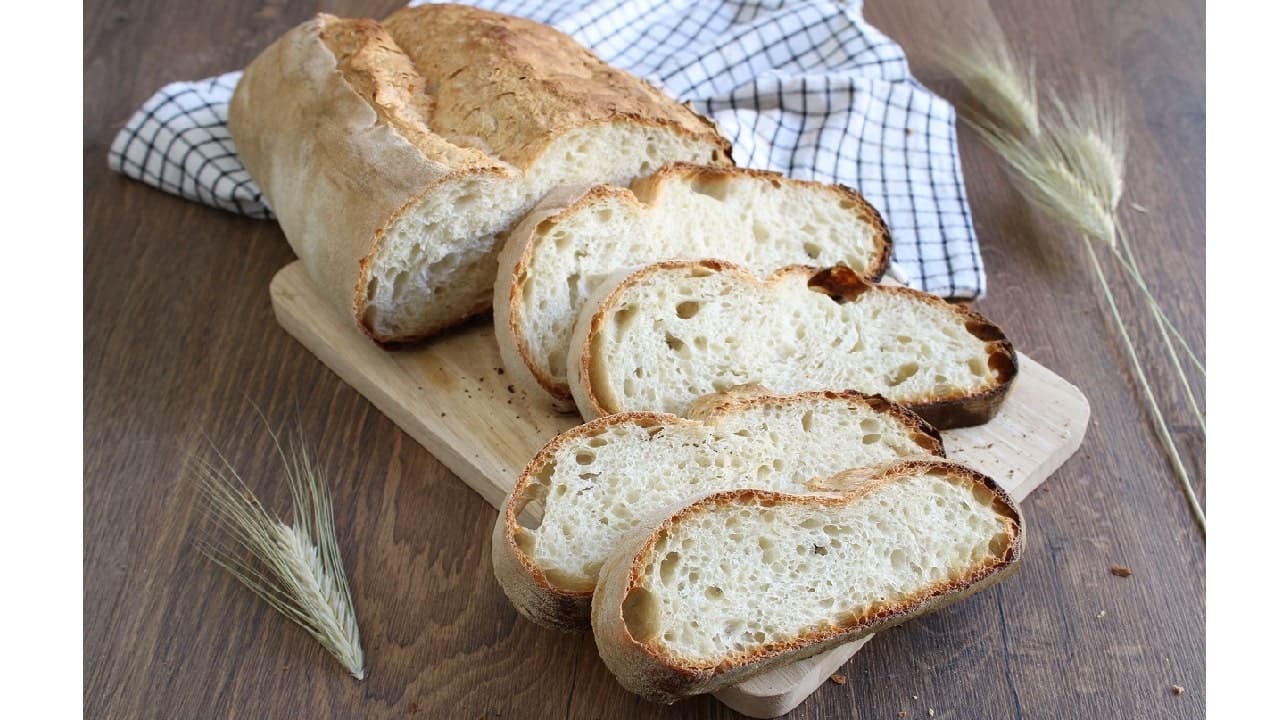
(1121, 571)
(931, 712)
(511, 389)
(1178, 689)
(1101, 614)
(1138, 208)
(839, 679)
(501, 371)
(915, 697)
(902, 713)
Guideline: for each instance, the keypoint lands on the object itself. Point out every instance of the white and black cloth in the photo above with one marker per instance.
(804, 87)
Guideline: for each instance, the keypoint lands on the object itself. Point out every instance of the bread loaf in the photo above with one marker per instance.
(396, 154)
(576, 238)
(659, 337)
(744, 581)
(595, 482)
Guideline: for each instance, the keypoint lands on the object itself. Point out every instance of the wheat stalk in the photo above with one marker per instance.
(295, 568)
(1071, 167)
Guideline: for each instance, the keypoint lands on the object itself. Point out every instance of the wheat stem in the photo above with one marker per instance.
(1162, 427)
(295, 568)
(1129, 263)
(1154, 307)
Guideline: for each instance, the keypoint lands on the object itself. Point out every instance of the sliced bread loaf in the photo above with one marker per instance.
(595, 482)
(745, 581)
(659, 337)
(576, 238)
(396, 154)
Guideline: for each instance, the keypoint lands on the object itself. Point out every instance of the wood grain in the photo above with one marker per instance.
(179, 337)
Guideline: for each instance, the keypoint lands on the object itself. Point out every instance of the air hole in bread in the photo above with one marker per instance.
(701, 271)
(806, 421)
(667, 568)
(674, 343)
(530, 516)
(585, 458)
(904, 373)
(710, 188)
(714, 593)
(871, 438)
(623, 317)
(688, 309)
(813, 250)
(640, 615)
(978, 367)
(898, 558)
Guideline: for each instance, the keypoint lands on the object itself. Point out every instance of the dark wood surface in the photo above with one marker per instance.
(179, 340)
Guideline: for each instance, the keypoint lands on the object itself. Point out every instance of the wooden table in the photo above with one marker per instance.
(179, 342)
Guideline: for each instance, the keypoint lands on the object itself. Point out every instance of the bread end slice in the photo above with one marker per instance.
(683, 607)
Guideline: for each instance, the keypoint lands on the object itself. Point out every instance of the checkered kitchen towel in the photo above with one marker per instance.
(804, 87)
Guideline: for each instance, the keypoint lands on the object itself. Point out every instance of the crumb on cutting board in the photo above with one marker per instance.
(1121, 571)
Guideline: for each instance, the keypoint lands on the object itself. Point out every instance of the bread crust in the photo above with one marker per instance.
(644, 667)
(544, 602)
(347, 124)
(643, 194)
(959, 410)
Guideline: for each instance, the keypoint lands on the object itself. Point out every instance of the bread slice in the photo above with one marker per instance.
(576, 238)
(595, 482)
(745, 581)
(656, 338)
(396, 154)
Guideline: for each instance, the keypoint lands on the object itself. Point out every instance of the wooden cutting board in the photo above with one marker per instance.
(452, 395)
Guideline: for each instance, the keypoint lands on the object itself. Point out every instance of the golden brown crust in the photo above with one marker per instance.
(843, 285)
(515, 85)
(645, 667)
(538, 597)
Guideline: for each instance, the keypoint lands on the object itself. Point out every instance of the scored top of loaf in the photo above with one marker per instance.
(506, 85)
